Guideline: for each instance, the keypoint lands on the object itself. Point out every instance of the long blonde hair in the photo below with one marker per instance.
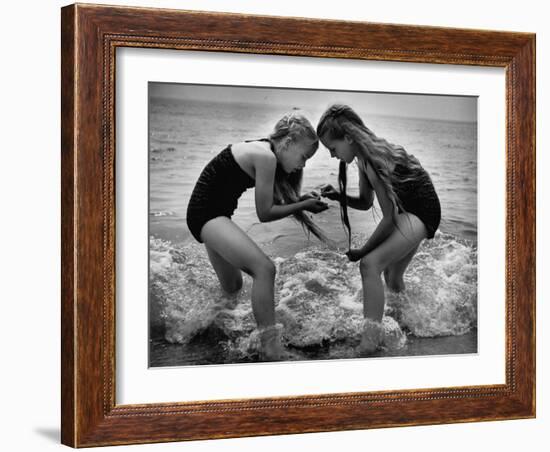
(287, 187)
(382, 156)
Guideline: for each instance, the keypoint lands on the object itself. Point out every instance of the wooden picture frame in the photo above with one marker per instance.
(90, 36)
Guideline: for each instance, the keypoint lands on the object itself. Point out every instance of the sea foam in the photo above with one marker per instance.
(318, 297)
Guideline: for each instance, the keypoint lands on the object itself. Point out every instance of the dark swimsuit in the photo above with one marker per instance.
(216, 193)
(417, 195)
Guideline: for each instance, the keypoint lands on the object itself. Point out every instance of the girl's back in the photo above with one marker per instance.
(246, 154)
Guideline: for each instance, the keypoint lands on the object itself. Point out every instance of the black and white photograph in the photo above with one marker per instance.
(274, 226)
(292, 224)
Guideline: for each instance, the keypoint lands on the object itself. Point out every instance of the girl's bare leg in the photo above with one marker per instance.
(399, 247)
(394, 273)
(231, 243)
(231, 278)
(230, 251)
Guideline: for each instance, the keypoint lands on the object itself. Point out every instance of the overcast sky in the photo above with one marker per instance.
(450, 108)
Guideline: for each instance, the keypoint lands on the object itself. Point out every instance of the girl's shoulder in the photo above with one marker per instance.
(250, 153)
(364, 167)
(253, 147)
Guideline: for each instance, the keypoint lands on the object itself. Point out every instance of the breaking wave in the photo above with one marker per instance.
(318, 297)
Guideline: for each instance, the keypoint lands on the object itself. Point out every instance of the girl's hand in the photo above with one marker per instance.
(328, 191)
(315, 205)
(355, 254)
(310, 195)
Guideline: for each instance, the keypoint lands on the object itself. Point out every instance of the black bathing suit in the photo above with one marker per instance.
(418, 196)
(216, 193)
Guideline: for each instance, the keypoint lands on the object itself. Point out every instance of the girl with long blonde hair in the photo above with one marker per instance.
(410, 206)
(274, 166)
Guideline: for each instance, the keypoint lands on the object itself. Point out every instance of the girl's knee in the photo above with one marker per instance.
(234, 285)
(265, 268)
(395, 284)
(369, 266)
(394, 280)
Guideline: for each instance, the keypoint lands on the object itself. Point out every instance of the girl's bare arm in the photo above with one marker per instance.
(265, 166)
(362, 202)
(366, 193)
(386, 225)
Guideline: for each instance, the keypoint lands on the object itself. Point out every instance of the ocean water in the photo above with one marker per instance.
(318, 291)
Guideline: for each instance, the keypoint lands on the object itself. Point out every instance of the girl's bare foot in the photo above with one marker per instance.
(271, 347)
(372, 336)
